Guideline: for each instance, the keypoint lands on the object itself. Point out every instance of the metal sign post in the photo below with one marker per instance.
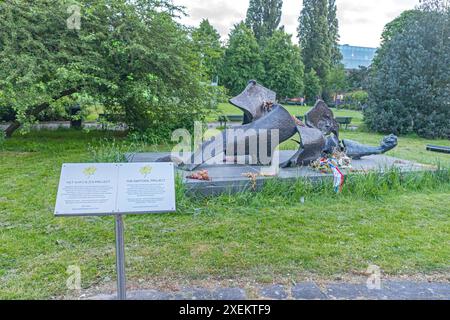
(120, 260)
(116, 189)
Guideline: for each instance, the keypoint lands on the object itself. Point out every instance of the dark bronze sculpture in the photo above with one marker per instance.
(319, 135)
(355, 150)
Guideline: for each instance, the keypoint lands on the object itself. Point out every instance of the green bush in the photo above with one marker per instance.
(132, 57)
(356, 100)
(313, 89)
(410, 85)
(7, 114)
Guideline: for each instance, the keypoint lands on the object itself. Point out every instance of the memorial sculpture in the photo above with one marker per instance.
(318, 136)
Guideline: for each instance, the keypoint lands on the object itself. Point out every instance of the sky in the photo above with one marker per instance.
(361, 22)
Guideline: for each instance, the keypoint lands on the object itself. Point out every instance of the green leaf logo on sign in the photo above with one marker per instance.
(90, 171)
(145, 171)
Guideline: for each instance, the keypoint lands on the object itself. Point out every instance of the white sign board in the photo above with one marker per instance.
(115, 188)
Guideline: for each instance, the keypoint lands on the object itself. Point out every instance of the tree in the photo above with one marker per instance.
(207, 44)
(393, 28)
(337, 80)
(315, 39)
(131, 56)
(263, 17)
(398, 25)
(242, 61)
(283, 65)
(313, 89)
(359, 79)
(410, 88)
(333, 31)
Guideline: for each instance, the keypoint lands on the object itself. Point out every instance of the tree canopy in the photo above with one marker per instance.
(313, 88)
(333, 32)
(131, 56)
(208, 45)
(398, 25)
(242, 61)
(283, 65)
(263, 17)
(410, 86)
(314, 37)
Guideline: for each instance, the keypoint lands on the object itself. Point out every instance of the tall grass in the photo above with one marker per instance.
(110, 150)
(372, 185)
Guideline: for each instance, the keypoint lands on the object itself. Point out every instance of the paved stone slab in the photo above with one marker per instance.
(307, 291)
(193, 294)
(184, 294)
(405, 290)
(345, 291)
(390, 290)
(275, 292)
(229, 294)
(149, 295)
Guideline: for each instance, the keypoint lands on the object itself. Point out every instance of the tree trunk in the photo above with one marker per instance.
(36, 110)
(12, 127)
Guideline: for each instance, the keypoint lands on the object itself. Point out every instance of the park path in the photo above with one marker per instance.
(390, 290)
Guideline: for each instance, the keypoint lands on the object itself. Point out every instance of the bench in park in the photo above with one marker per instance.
(230, 118)
(223, 120)
(295, 102)
(438, 149)
(344, 121)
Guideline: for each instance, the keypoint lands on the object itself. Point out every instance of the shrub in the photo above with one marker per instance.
(133, 57)
(313, 89)
(410, 85)
(7, 114)
(356, 100)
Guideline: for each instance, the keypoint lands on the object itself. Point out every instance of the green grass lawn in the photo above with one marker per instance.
(258, 236)
(229, 109)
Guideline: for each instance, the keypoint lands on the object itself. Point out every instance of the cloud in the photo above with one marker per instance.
(361, 22)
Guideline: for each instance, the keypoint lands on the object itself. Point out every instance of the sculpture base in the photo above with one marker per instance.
(231, 178)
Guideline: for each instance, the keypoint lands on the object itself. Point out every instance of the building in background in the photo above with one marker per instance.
(354, 57)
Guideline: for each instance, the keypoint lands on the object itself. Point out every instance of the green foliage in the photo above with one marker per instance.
(131, 56)
(7, 114)
(337, 80)
(393, 28)
(369, 185)
(410, 87)
(398, 25)
(112, 150)
(108, 151)
(356, 100)
(263, 18)
(41, 61)
(207, 45)
(313, 89)
(283, 65)
(333, 31)
(359, 79)
(318, 35)
(242, 60)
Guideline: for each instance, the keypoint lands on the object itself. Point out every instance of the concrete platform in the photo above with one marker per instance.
(230, 178)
